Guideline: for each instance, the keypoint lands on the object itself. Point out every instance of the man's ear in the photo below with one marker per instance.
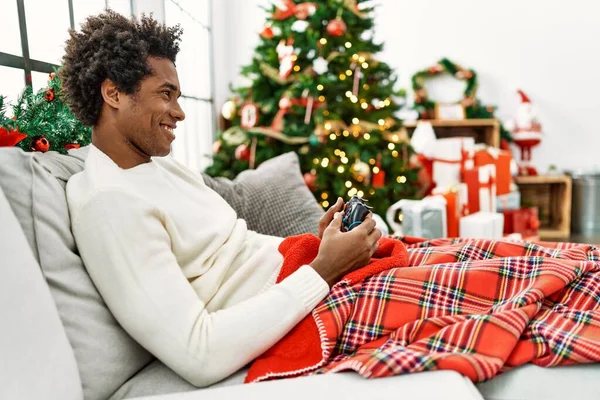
(111, 94)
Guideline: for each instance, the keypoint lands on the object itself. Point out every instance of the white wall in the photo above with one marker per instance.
(549, 48)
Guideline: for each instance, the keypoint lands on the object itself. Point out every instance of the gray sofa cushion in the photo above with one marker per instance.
(530, 382)
(273, 199)
(37, 361)
(156, 379)
(106, 355)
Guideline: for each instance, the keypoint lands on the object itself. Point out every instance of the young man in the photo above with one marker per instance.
(179, 271)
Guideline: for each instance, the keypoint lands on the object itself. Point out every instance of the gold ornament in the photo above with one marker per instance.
(229, 110)
(361, 169)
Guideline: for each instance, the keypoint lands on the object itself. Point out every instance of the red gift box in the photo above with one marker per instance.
(481, 186)
(501, 159)
(452, 209)
(524, 221)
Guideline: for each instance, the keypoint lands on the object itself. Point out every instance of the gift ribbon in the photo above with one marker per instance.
(307, 102)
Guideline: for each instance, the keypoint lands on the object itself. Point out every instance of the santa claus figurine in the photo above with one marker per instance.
(526, 133)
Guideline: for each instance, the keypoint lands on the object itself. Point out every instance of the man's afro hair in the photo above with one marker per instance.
(110, 46)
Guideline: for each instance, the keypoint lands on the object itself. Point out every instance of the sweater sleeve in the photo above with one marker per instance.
(127, 252)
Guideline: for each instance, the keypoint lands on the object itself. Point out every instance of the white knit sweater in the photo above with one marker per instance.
(179, 271)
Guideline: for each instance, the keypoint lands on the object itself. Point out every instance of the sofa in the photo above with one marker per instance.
(58, 339)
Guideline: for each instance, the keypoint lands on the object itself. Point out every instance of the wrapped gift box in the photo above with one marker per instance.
(451, 157)
(524, 221)
(424, 218)
(453, 207)
(481, 185)
(510, 201)
(482, 225)
(502, 161)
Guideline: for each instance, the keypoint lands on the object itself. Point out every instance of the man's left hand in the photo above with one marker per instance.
(328, 217)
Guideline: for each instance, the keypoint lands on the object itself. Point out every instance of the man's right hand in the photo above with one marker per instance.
(343, 252)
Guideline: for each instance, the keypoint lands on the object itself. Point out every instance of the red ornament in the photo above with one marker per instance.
(72, 146)
(242, 152)
(49, 95)
(51, 76)
(305, 10)
(40, 143)
(10, 138)
(284, 9)
(378, 180)
(311, 180)
(336, 27)
(267, 33)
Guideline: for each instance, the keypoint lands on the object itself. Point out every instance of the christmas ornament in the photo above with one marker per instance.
(216, 146)
(10, 138)
(336, 27)
(285, 103)
(283, 9)
(285, 53)
(250, 115)
(310, 178)
(320, 65)
(49, 95)
(527, 133)
(233, 136)
(229, 110)
(242, 152)
(286, 8)
(361, 169)
(379, 176)
(313, 140)
(305, 10)
(40, 143)
(51, 76)
(267, 32)
(71, 146)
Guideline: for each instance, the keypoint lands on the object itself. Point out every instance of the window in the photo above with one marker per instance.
(34, 33)
(194, 67)
(32, 45)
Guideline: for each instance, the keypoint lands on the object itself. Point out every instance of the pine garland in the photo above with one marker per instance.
(45, 119)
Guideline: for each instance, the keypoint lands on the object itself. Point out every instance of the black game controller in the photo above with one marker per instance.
(355, 212)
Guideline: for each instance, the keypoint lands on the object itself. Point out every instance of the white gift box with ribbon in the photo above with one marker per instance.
(487, 188)
(422, 218)
(450, 157)
(482, 225)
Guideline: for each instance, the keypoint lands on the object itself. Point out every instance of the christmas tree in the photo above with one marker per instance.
(318, 90)
(42, 121)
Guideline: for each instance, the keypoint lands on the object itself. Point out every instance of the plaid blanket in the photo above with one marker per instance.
(479, 307)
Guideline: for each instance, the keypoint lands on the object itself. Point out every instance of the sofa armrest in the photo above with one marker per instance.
(448, 385)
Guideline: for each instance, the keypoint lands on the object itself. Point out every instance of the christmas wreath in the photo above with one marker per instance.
(42, 121)
(424, 104)
(473, 108)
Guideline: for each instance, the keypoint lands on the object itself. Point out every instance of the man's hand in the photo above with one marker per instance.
(328, 216)
(343, 252)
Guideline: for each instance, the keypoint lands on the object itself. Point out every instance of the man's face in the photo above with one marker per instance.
(149, 119)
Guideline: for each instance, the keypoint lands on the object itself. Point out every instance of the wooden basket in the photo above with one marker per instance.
(552, 196)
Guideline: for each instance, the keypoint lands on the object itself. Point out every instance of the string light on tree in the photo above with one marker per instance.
(338, 132)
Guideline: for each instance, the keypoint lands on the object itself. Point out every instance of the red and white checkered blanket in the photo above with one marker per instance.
(479, 307)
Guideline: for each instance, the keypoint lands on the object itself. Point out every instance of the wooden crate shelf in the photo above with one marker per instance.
(482, 130)
(552, 196)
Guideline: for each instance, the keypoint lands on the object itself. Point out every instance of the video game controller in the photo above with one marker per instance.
(355, 212)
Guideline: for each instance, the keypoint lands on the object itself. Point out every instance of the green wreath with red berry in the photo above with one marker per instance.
(473, 108)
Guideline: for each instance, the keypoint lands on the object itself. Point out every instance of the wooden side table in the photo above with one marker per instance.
(552, 195)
